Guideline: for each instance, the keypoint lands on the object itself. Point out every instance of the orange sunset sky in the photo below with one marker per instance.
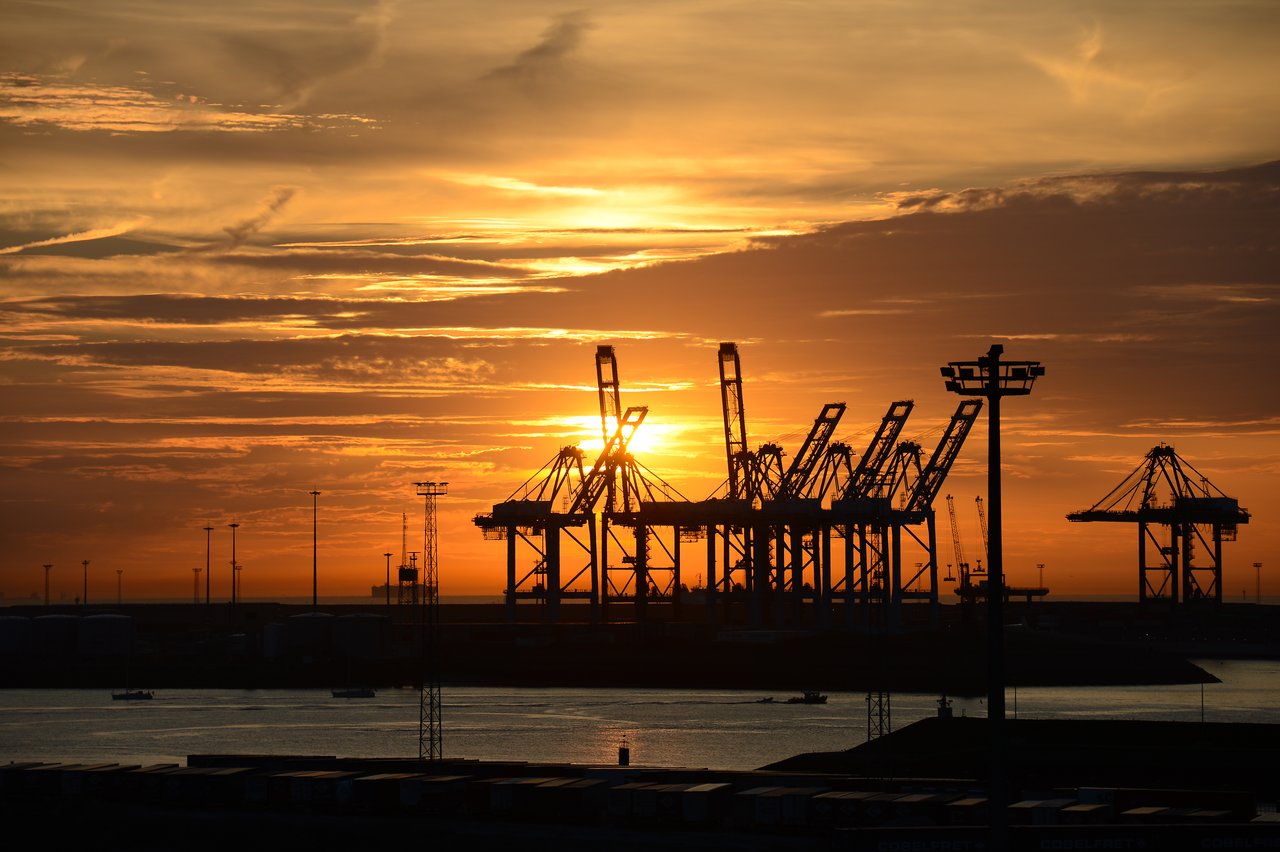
(250, 250)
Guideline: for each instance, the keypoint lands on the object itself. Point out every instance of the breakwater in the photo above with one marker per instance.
(276, 645)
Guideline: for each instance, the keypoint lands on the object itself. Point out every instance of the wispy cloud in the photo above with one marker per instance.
(34, 103)
(83, 236)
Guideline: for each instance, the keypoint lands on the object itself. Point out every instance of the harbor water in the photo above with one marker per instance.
(717, 729)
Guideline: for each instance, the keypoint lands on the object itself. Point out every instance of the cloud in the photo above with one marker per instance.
(83, 236)
(540, 63)
(32, 102)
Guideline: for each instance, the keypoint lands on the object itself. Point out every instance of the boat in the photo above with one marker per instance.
(768, 700)
(809, 696)
(133, 695)
(354, 692)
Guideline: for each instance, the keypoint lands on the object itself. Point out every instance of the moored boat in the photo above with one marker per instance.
(133, 695)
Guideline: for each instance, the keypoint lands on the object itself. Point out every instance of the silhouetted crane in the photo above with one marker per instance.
(1166, 491)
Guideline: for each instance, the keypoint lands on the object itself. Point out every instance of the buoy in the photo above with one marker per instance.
(624, 753)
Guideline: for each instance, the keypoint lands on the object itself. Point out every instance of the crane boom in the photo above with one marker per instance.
(982, 524)
(735, 421)
(944, 456)
(601, 473)
(610, 398)
(955, 534)
(862, 482)
(797, 479)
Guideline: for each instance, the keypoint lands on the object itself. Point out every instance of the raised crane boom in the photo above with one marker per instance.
(796, 481)
(939, 465)
(735, 422)
(610, 397)
(602, 472)
(863, 481)
(955, 534)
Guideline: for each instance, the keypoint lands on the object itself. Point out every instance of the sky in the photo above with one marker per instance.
(253, 250)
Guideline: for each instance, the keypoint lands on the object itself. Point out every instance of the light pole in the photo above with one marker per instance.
(195, 589)
(208, 536)
(234, 526)
(119, 586)
(85, 563)
(1257, 589)
(315, 495)
(47, 566)
(387, 588)
(992, 378)
(1040, 568)
(235, 577)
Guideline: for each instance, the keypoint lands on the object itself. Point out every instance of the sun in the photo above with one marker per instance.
(648, 440)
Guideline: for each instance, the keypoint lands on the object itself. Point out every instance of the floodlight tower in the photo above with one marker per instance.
(47, 567)
(992, 378)
(430, 740)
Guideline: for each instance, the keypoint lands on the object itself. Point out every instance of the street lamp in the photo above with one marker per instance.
(992, 378)
(1040, 568)
(314, 497)
(85, 563)
(208, 575)
(234, 526)
(387, 588)
(47, 566)
(1257, 589)
(119, 586)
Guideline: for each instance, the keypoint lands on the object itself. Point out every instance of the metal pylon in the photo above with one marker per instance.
(430, 735)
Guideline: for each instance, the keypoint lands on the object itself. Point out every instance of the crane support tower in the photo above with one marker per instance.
(1166, 494)
(430, 735)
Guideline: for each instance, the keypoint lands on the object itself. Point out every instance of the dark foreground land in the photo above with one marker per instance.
(1071, 785)
(275, 645)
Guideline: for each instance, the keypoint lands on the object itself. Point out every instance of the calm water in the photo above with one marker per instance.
(722, 729)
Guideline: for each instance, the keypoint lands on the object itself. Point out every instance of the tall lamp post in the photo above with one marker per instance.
(85, 563)
(993, 379)
(195, 589)
(47, 566)
(1257, 589)
(315, 495)
(119, 586)
(387, 588)
(234, 526)
(208, 543)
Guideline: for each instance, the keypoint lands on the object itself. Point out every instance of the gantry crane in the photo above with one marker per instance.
(1165, 491)
(858, 514)
(801, 534)
(648, 567)
(923, 582)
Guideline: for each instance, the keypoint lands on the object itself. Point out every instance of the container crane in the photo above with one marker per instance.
(1165, 491)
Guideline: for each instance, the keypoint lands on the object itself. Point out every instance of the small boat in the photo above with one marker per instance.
(809, 696)
(768, 700)
(355, 692)
(133, 695)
